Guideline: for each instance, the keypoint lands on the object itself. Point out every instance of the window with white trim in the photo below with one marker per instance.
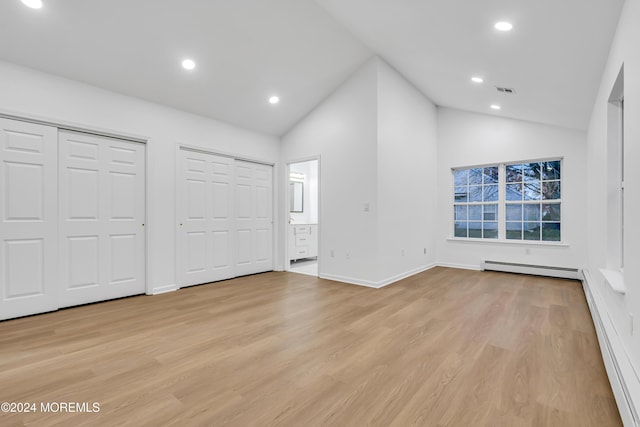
(510, 201)
(615, 175)
(476, 202)
(621, 230)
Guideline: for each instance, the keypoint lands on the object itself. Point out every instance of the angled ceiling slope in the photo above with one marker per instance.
(301, 50)
(245, 51)
(553, 57)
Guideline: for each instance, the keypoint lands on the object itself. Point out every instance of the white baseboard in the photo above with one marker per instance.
(163, 289)
(624, 380)
(350, 280)
(393, 279)
(381, 283)
(461, 266)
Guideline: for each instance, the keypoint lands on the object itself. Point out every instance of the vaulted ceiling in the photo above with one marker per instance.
(301, 50)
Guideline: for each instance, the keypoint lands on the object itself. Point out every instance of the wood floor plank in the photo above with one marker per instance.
(445, 347)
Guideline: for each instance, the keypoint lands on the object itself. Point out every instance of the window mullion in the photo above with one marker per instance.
(502, 211)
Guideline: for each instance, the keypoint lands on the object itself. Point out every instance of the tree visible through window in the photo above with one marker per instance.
(533, 201)
(529, 194)
(476, 202)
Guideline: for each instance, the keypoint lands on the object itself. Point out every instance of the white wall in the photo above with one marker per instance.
(376, 138)
(407, 160)
(25, 92)
(624, 49)
(468, 139)
(342, 131)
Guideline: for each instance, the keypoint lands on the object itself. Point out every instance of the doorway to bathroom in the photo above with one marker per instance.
(302, 222)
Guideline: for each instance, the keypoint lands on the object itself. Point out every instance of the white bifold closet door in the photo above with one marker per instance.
(205, 212)
(102, 215)
(225, 217)
(28, 209)
(254, 218)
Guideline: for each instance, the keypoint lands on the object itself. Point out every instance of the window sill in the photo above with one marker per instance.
(614, 279)
(510, 242)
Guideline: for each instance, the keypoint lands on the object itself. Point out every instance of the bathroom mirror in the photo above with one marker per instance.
(296, 194)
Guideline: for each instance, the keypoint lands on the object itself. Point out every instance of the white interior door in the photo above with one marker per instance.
(206, 220)
(254, 218)
(102, 215)
(28, 229)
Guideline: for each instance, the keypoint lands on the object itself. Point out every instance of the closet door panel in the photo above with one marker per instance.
(254, 220)
(196, 252)
(28, 223)
(102, 216)
(205, 213)
(125, 212)
(83, 261)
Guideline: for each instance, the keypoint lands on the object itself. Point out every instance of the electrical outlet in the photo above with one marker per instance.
(348, 255)
(527, 251)
(402, 252)
(367, 207)
(332, 253)
(424, 251)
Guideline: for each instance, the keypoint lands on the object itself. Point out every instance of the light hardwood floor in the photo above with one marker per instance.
(443, 348)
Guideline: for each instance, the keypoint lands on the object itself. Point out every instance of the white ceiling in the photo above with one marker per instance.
(247, 50)
(554, 56)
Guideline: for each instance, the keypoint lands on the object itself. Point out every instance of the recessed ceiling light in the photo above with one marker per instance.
(33, 4)
(503, 26)
(495, 106)
(274, 100)
(188, 64)
(477, 79)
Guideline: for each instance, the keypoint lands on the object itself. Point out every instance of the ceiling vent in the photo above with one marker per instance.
(505, 89)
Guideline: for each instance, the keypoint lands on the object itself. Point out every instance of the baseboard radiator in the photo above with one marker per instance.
(612, 360)
(538, 270)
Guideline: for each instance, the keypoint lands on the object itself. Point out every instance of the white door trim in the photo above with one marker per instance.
(73, 127)
(207, 150)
